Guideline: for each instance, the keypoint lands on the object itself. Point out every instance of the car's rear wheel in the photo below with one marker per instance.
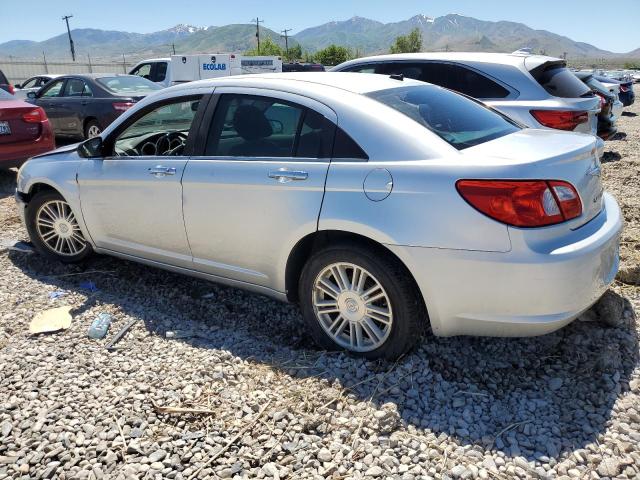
(360, 301)
(92, 129)
(54, 230)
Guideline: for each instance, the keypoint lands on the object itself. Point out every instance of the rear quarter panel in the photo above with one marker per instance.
(424, 209)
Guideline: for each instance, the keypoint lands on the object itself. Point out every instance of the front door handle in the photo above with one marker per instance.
(284, 175)
(162, 171)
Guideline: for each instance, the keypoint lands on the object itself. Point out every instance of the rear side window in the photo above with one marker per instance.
(345, 147)
(559, 81)
(458, 120)
(3, 79)
(463, 80)
(161, 72)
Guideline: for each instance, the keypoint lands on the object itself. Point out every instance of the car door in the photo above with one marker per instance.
(132, 198)
(72, 110)
(257, 185)
(49, 98)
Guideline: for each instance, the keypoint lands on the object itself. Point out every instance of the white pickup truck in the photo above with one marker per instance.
(187, 68)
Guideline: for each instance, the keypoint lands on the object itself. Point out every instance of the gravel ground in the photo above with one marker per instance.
(259, 401)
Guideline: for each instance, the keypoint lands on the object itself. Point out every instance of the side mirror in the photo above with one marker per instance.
(91, 148)
(32, 95)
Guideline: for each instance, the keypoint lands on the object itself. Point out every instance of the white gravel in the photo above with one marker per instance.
(566, 405)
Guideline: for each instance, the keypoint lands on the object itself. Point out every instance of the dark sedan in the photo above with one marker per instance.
(84, 105)
(626, 95)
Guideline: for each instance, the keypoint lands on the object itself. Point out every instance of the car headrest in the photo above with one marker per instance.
(250, 123)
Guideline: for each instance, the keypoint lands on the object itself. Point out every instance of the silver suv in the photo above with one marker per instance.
(535, 90)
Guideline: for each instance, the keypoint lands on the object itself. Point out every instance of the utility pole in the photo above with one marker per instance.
(286, 40)
(173, 45)
(73, 50)
(258, 22)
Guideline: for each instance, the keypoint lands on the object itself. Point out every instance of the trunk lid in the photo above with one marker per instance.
(533, 154)
(11, 111)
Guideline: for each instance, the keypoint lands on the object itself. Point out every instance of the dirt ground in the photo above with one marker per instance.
(269, 404)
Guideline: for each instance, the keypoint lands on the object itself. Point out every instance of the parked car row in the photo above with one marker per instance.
(380, 204)
(537, 91)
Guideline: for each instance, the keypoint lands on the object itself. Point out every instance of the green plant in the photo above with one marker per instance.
(411, 43)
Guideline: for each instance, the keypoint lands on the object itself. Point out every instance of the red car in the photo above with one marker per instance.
(24, 131)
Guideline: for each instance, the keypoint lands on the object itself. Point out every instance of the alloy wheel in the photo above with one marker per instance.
(59, 230)
(352, 307)
(93, 131)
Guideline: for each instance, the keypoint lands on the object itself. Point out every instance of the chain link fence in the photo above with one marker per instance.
(17, 71)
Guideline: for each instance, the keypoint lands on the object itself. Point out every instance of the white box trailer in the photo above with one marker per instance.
(188, 68)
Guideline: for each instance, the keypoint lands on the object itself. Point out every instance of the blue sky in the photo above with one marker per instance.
(610, 25)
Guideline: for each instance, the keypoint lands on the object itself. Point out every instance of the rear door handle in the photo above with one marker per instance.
(162, 171)
(284, 175)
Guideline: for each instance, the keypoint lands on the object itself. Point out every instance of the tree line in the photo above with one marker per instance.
(333, 54)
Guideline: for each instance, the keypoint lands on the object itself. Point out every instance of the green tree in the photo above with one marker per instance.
(295, 53)
(411, 43)
(267, 47)
(333, 55)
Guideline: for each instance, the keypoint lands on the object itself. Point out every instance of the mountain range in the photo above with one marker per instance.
(364, 36)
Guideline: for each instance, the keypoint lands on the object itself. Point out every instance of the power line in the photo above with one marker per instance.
(286, 40)
(73, 50)
(258, 22)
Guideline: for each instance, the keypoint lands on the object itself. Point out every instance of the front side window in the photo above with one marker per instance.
(255, 126)
(143, 70)
(161, 131)
(460, 121)
(31, 83)
(126, 85)
(53, 90)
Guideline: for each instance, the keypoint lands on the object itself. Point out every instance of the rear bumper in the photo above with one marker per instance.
(15, 154)
(524, 292)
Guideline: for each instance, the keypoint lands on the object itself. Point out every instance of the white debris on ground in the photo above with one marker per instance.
(214, 382)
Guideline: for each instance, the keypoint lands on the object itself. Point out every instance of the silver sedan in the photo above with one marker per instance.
(381, 205)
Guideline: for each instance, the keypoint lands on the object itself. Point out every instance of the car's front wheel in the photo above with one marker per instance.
(362, 301)
(54, 230)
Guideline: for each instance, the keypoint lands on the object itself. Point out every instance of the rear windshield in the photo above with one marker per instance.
(458, 120)
(128, 85)
(559, 81)
(3, 79)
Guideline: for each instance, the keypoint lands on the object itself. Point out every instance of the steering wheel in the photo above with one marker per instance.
(171, 143)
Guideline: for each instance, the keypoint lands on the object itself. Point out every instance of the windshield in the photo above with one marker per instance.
(458, 120)
(128, 85)
(559, 81)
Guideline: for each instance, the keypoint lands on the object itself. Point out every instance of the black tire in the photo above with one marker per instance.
(89, 125)
(31, 213)
(409, 313)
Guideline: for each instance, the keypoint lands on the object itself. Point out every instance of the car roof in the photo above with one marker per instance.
(146, 60)
(515, 59)
(360, 84)
(93, 76)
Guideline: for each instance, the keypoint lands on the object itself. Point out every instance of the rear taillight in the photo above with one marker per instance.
(122, 106)
(603, 100)
(624, 88)
(560, 119)
(11, 89)
(36, 115)
(523, 203)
